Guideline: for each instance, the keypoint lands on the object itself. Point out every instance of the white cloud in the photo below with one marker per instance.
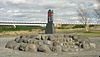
(20, 1)
(1, 9)
(37, 9)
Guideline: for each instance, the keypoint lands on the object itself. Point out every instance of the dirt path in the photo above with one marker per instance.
(4, 52)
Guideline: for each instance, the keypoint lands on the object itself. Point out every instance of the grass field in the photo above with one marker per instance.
(77, 29)
(89, 34)
(19, 28)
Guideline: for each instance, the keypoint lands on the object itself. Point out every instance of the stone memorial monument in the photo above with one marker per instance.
(50, 24)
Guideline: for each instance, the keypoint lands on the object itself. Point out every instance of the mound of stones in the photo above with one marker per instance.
(50, 43)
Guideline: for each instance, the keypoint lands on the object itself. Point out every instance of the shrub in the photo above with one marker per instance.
(79, 26)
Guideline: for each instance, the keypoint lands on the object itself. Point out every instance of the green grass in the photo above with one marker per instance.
(64, 28)
(73, 26)
(93, 32)
(19, 28)
(90, 34)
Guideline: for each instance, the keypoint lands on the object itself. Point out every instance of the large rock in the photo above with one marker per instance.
(31, 40)
(33, 36)
(50, 43)
(31, 47)
(85, 45)
(45, 37)
(39, 42)
(25, 40)
(12, 45)
(75, 38)
(47, 42)
(57, 48)
(23, 47)
(92, 45)
(65, 49)
(44, 48)
(51, 38)
(17, 39)
(56, 43)
(22, 39)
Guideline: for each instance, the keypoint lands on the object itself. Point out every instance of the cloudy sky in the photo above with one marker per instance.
(36, 10)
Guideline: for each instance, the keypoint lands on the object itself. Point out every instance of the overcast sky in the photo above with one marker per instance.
(36, 10)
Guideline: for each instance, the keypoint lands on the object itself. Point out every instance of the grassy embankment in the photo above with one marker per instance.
(64, 28)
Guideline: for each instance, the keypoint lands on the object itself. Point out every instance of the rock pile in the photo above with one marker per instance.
(50, 43)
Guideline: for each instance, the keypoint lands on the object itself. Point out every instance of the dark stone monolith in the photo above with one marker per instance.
(50, 24)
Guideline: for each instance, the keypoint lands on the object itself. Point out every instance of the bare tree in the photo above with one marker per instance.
(98, 11)
(83, 18)
(98, 15)
(98, 1)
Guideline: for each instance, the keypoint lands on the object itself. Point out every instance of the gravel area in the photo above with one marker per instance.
(5, 52)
